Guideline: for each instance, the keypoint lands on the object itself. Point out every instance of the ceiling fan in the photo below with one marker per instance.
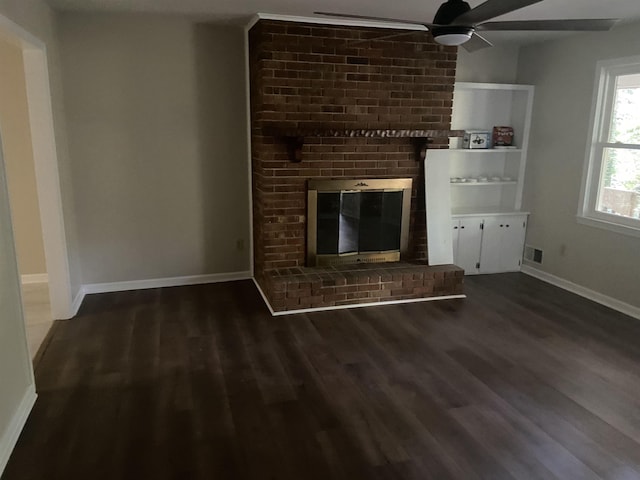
(456, 23)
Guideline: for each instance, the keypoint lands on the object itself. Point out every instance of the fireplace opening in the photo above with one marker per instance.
(351, 221)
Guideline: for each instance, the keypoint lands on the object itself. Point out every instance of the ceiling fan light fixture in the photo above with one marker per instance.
(453, 35)
(453, 39)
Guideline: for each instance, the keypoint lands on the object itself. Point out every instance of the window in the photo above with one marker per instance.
(611, 188)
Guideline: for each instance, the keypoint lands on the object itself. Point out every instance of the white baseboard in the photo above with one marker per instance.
(264, 297)
(155, 283)
(77, 301)
(585, 292)
(12, 433)
(34, 278)
(355, 305)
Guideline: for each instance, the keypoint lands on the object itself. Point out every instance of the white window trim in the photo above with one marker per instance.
(602, 104)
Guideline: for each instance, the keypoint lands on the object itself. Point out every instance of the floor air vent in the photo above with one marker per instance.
(532, 254)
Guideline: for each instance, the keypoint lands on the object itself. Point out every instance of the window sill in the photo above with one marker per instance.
(612, 227)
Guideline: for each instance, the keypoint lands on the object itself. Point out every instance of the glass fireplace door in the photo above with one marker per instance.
(358, 222)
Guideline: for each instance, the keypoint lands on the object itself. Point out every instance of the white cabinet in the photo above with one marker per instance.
(489, 180)
(489, 244)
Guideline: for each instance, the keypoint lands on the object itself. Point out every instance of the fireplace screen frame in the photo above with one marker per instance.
(314, 187)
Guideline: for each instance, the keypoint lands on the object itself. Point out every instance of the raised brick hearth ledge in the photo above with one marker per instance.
(301, 288)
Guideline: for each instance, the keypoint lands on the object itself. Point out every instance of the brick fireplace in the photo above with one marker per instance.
(309, 85)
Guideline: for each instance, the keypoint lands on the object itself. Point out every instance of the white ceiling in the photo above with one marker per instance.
(240, 11)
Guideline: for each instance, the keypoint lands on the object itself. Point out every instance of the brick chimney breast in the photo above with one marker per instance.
(307, 76)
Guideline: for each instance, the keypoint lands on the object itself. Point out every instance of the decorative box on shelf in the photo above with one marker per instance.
(502, 136)
(476, 139)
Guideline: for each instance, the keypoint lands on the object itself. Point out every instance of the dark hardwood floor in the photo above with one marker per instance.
(520, 380)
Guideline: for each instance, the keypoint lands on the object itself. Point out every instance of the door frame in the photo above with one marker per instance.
(45, 159)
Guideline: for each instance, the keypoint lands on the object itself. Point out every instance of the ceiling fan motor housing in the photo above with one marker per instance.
(449, 11)
(442, 30)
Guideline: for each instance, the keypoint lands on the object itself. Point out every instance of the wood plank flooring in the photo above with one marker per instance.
(519, 381)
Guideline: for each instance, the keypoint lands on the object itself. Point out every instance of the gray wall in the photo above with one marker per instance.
(157, 128)
(490, 65)
(563, 72)
(18, 156)
(15, 365)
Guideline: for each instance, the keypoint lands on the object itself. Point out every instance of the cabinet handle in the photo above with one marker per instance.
(501, 225)
(455, 228)
(462, 227)
(507, 226)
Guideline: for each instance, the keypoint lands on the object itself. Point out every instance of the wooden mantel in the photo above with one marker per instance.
(294, 137)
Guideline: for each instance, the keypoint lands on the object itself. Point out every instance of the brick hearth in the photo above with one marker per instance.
(314, 77)
(302, 287)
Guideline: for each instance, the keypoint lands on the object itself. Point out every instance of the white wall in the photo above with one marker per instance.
(563, 72)
(157, 134)
(18, 155)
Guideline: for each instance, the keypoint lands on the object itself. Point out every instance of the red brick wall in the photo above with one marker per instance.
(312, 76)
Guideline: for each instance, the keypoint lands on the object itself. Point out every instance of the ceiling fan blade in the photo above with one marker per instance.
(385, 37)
(599, 24)
(491, 9)
(377, 19)
(476, 42)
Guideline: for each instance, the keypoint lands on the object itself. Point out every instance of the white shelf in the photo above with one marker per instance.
(481, 184)
(480, 151)
(493, 86)
(484, 211)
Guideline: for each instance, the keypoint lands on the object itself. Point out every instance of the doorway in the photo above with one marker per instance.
(23, 194)
(28, 135)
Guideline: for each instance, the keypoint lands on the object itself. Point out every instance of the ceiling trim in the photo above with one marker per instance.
(334, 21)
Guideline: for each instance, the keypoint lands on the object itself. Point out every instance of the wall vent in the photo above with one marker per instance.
(532, 254)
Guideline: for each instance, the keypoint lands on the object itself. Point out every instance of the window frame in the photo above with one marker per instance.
(607, 71)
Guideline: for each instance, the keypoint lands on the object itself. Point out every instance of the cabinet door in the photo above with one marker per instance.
(455, 229)
(490, 256)
(502, 244)
(469, 242)
(512, 243)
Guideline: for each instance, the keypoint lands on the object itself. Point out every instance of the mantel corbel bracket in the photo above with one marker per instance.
(420, 145)
(294, 148)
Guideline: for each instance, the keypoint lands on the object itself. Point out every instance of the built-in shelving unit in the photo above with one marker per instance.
(485, 226)
(482, 106)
